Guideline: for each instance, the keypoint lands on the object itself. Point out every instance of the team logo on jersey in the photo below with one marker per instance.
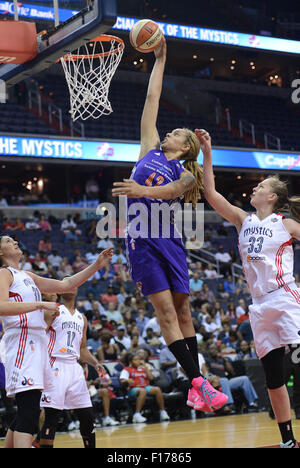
(46, 398)
(31, 345)
(255, 258)
(63, 350)
(139, 284)
(28, 382)
(56, 370)
(274, 220)
(133, 245)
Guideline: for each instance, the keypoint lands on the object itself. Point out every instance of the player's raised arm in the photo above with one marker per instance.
(149, 134)
(230, 212)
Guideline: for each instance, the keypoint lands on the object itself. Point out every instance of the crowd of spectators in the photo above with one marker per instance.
(122, 323)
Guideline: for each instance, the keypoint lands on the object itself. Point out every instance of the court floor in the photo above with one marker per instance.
(238, 431)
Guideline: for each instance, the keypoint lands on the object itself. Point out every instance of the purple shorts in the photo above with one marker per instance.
(158, 264)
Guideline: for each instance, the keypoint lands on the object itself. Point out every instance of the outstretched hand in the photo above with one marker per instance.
(161, 50)
(105, 258)
(204, 139)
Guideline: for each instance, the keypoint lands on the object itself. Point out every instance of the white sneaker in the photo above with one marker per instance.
(164, 416)
(138, 418)
(108, 421)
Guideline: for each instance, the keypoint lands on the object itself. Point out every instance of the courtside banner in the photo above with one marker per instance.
(215, 36)
(91, 150)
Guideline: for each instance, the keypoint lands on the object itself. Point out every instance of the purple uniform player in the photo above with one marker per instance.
(158, 261)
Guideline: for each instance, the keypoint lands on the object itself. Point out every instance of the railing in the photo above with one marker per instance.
(55, 112)
(78, 127)
(35, 100)
(270, 139)
(248, 128)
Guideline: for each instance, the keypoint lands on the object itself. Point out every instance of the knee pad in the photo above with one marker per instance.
(86, 419)
(27, 419)
(273, 364)
(50, 424)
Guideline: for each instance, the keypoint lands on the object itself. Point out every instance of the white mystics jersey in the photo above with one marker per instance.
(24, 289)
(65, 335)
(267, 254)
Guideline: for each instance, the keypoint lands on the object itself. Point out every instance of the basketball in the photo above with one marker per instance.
(145, 36)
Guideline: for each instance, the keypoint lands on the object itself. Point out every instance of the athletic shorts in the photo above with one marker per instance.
(156, 266)
(133, 391)
(275, 319)
(26, 360)
(70, 388)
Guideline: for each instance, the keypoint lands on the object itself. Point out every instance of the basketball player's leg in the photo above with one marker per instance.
(273, 364)
(182, 307)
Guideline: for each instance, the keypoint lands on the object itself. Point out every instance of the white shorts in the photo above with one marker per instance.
(70, 388)
(275, 319)
(26, 360)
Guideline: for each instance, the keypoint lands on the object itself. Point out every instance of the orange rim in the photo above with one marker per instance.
(102, 38)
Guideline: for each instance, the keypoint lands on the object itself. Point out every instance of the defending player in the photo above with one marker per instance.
(265, 243)
(67, 344)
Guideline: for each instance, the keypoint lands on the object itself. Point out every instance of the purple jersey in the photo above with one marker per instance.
(154, 247)
(153, 218)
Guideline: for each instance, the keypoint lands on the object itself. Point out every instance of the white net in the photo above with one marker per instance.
(88, 72)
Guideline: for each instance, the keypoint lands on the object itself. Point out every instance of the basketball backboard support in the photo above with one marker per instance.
(67, 24)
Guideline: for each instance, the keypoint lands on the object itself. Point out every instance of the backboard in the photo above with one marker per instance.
(62, 25)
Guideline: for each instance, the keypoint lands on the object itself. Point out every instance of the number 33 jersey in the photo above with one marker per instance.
(267, 254)
(65, 335)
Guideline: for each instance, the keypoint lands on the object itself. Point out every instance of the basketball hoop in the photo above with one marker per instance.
(88, 72)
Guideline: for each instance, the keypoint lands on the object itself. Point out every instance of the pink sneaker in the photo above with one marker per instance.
(194, 400)
(208, 394)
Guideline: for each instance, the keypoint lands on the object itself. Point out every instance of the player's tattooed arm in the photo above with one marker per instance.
(170, 191)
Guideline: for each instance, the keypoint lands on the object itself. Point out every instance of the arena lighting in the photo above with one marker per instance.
(215, 36)
(115, 152)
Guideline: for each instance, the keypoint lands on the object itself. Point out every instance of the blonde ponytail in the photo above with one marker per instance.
(191, 164)
(283, 201)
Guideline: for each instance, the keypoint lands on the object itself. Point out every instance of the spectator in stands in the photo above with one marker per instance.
(221, 294)
(135, 343)
(44, 223)
(231, 312)
(92, 188)
(121, 340)
(229, 285)
(141, 319)
(121, 294)
(68, 225)
(225, 260)
(108, 398)
(104, 325)
(55, 259)
(94, 340)
(109, 296)
(109, 350)
(210, 271)
(64, 268)
(79, 264)
(196, 283)
(45, 245)
(221, 367)
(25, 264)
(193, 244)
(241, 308)
(38, 266)
(105, 243)
(244, 331)
(246, 352)
(119, 255)
(138, 377)
(18, 225)
(31, 224)
(7, 224)
(91, 255)
(112, 313)
(167, 362)
(94, 287)
(211, 326)
(3, 201)
(152, 323)
(206, 294)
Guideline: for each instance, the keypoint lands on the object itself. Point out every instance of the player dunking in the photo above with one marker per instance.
(158, 265)
(27, 367)
(67, 343)
(265, 243)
